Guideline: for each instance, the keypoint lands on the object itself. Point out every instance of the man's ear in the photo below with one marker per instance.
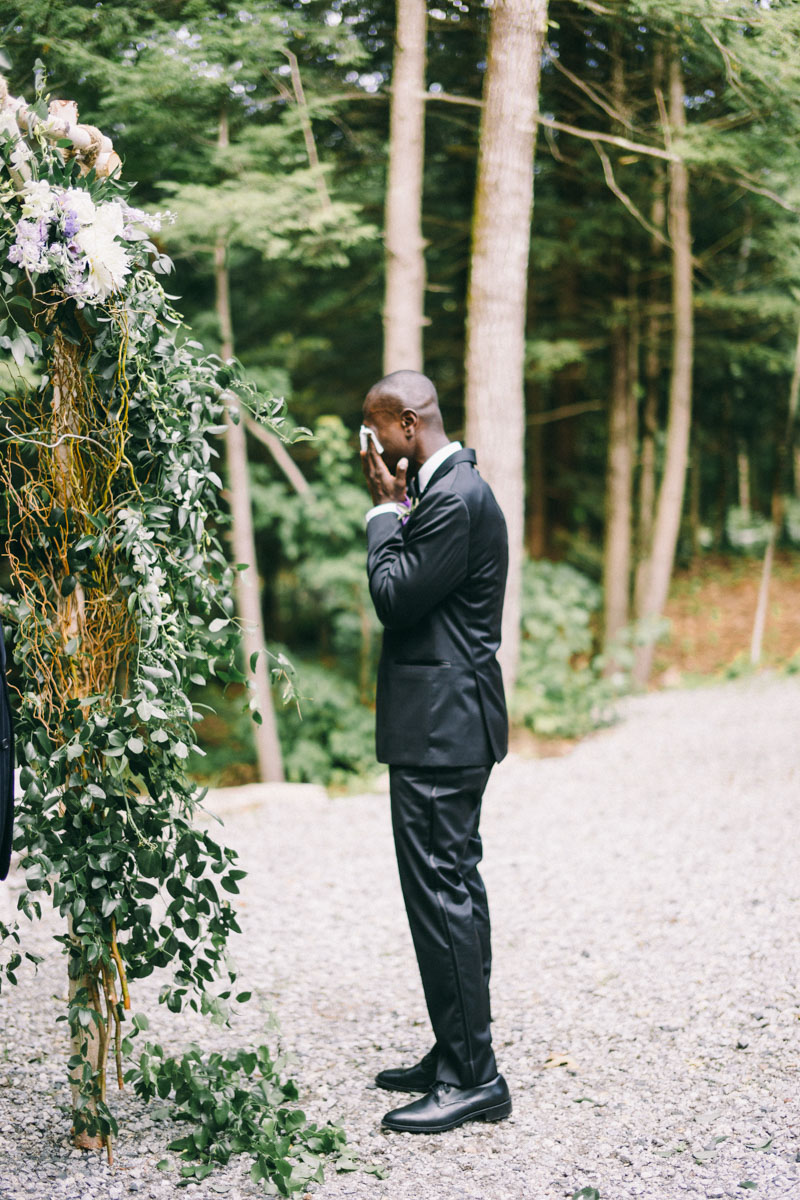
(409, 422)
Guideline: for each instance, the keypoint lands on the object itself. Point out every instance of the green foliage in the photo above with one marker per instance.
(322, 601)
(320, 582)
(327, 736)
(561, 689)
(792, 519)
(122, 600)
(747, 532)
(544, 359)
(237, 1104)
(330, 736)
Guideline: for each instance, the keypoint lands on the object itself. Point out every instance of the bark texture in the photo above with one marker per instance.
(673, 482)
(404, 303)
(248, 592)
(652, 376)
(619, 487)
(495, 393)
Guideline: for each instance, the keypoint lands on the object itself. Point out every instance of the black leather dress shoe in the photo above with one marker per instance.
(419, 1078)
(446, 1106)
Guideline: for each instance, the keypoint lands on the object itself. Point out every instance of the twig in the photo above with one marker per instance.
(308, 133)
(123, 979)
(757, 190)
(593, 95)
(608, 171)
(757, 639)
(730, 70)
(566, 410)
(278, 451)
(589, 135)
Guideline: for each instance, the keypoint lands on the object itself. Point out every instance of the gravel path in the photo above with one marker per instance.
(645, 896)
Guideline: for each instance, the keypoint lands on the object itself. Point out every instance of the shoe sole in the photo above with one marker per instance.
(398, 1087)
(497, 1112)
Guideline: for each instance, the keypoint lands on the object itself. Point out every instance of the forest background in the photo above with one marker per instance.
(265, 128)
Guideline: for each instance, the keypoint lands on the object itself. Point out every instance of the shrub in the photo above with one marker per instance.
(561, 689)
(332, 737)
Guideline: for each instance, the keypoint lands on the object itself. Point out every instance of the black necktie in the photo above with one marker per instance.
(413, 488)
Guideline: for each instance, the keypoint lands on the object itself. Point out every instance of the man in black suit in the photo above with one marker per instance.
(437, 573)
(6, 767)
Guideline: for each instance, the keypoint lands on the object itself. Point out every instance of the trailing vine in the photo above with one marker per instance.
(120, 595)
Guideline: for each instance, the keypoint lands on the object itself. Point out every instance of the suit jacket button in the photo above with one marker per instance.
(5, 743)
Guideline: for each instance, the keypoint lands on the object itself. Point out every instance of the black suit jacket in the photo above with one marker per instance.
(6, 767)
(437, 583)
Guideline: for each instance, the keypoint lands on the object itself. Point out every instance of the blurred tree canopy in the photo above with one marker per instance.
(298, 196)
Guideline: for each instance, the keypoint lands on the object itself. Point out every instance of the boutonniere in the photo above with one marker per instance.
(406, 507)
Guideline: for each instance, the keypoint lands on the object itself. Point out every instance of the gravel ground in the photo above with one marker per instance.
(645, 895)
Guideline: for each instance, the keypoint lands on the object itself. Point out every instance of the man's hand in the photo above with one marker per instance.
(384, 487)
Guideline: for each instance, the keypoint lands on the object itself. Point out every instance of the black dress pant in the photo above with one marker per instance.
(435, 815)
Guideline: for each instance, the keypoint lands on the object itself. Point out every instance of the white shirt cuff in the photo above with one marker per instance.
(396, 510)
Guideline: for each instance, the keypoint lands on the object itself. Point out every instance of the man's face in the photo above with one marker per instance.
(392, 431)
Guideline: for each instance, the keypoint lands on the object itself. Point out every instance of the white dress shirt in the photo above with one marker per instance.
(423, 478)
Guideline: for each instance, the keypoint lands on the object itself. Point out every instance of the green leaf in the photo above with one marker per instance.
(135, 745)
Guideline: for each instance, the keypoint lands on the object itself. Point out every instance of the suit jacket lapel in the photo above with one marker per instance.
(451, 461)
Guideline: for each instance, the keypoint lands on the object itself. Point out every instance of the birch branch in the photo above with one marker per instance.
(90, 146)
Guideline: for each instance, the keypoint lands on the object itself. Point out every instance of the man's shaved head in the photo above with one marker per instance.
(406, 390)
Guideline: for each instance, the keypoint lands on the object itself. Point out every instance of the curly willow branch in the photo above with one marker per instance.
(62, 481)
(79, 640)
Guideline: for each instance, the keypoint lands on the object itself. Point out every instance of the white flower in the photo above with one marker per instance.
(20, 155)
(38, 200)
(107, 261)
(81, 203)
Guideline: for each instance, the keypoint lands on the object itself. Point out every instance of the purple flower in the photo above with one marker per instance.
(28, 250)
(71, 224)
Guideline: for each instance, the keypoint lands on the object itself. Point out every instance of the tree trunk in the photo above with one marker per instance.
(495, 396)
(617, 548)
(652, 374)
(248, 592)
(404, 303)
(785, 447)
(794, 394)
(670, 495)
(695, 497)
(619, 485)
(743, 477)
(537, 494)
(88, 1044)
